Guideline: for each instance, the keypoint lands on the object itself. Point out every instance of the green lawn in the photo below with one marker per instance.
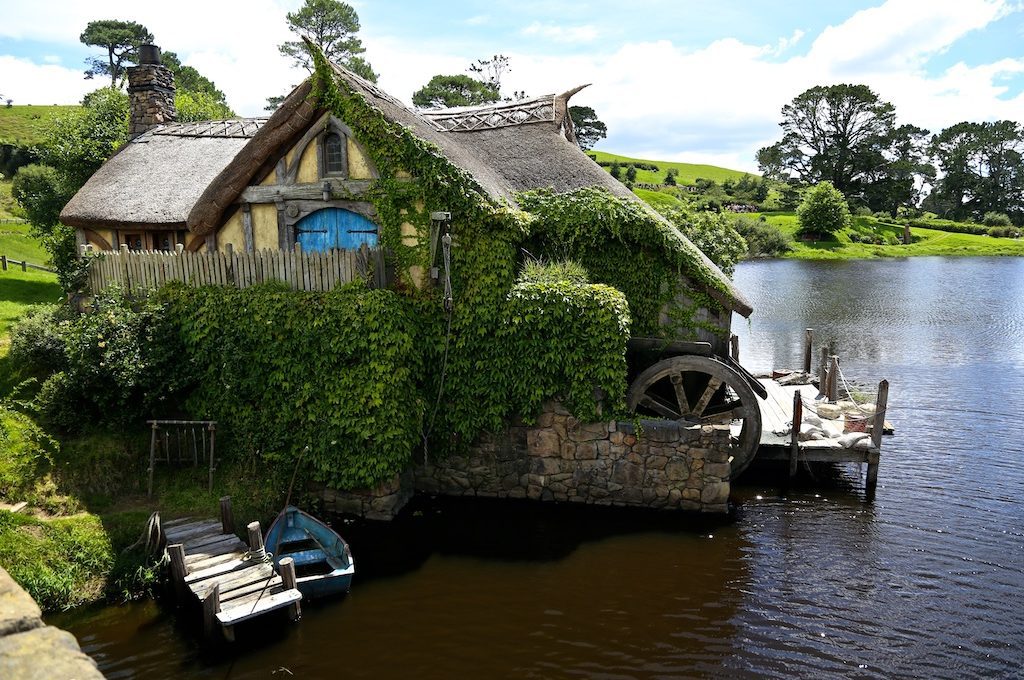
(9, 208)
(25, 124)
(688, 172)
(926, 241)
(20, 289)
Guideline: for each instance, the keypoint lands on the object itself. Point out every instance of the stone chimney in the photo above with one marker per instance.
(151, 88)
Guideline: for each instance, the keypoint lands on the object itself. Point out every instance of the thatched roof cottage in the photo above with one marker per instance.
(307, 175)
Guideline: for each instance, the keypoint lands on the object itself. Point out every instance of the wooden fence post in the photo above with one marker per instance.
(176, 552)
(808, 341)
(734, 342)
(24, 266)
(212, 428)
(3, 260)
(227, 516)
(152, 460)
(798, 417)
(287, 567)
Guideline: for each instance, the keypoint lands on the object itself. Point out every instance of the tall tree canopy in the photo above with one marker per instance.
(458, 90)
(197, 97)
(846, 135)
(982, 170)
(121, 40)
(332, 26)
(589, 130)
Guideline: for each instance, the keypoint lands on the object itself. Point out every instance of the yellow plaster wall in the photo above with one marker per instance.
(231, 232)
(270, 179)
(105, 233)
(307, 165)
(359, 166)
(264, 226)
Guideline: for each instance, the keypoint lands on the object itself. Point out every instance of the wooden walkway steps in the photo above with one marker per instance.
(233, 581)
(779, 443)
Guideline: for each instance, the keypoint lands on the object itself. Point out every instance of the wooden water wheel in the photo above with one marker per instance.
(701, 390)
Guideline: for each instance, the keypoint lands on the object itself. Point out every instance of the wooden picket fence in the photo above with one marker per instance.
(311, 271)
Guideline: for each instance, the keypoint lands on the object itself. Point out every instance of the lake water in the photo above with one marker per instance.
(811, 581)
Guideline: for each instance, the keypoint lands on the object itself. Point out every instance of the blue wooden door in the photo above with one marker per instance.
(335, 228)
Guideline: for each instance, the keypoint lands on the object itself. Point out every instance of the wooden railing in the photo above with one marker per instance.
(25, 265)
(312, 271)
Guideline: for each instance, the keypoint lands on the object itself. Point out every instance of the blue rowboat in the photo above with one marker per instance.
(323, 561)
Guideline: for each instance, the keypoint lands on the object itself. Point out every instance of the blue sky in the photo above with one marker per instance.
(693, 80)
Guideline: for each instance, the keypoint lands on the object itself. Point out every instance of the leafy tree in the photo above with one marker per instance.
(631, 174)
(982, 170)
(194, 106)
(121, 40)
(834, 133)
(40, 192)
(996, 219)
(589, 130)
(823, 211)
(458, 90)
(670, 177)
(615, 170)
(332, 26)
(78, 142)
(491, 70)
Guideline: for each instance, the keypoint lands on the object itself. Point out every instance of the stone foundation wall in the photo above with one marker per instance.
(382, 502)
(665, 465)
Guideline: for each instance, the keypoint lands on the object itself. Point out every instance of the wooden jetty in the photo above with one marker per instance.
(782, 414)
(233, 581)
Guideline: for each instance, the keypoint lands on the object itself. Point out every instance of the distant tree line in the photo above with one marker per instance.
(844, 134)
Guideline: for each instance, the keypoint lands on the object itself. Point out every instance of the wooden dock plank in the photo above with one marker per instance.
(235, 615)
(266, 585)
(219, 570)
(203, 542)
(191, 531)
(200, 562)
(255, 573)
(176, 522)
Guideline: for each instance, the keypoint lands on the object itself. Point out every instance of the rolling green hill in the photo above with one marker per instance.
(688, 172)
(24, 125)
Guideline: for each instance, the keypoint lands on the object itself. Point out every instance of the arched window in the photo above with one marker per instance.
(334, 154)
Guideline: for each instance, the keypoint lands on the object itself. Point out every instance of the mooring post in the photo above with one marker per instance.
(833, 378)
(877, 429)
(734, 342)
(152, 459)
(287, 566)
(808, 341)
(823, 372)
(227, 516)
(798, 418)
(176, 552)
(256, 548)
(211, 607)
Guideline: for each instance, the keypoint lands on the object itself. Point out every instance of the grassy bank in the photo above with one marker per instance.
(688, 172)
(25, 124)
(18, 289)
(925, 241)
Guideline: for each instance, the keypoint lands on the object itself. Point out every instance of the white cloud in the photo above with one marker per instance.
(28, 83)
(568, 34)
(51, 59)
(785, 43)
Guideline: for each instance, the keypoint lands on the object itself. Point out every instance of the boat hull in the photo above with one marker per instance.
(323, 562)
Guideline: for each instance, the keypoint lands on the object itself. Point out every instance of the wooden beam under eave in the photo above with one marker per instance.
(344, 189)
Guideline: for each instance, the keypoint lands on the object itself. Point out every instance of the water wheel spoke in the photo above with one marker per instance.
(684, 402)
(659, 407)
(705, 398)
(725, 413)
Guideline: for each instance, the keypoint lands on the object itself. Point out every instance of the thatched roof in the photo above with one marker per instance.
(153, 181)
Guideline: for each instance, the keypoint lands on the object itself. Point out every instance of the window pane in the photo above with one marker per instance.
(334, 155)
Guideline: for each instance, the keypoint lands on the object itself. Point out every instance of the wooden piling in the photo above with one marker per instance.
(289, 581)
(255, 537)
(808, 341)
(833, 378)
(734, 343)
(798, 417)
(877, 428)
(178, 571)
(227, 516)
(212, 428)
(211, 607)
